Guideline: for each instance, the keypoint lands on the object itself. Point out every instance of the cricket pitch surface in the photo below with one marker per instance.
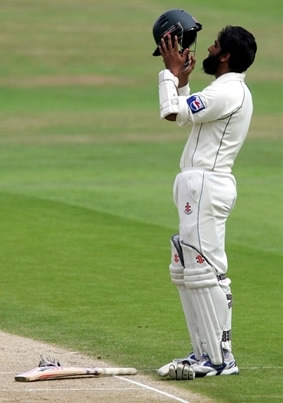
(20, 354)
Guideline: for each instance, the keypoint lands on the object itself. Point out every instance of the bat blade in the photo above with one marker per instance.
(58, 372)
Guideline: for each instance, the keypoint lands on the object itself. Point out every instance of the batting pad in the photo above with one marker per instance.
(208, 300)
(177, 276)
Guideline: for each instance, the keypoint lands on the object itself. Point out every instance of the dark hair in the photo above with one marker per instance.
(240, 44)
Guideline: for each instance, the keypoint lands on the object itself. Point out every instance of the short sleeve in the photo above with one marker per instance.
(211, 104)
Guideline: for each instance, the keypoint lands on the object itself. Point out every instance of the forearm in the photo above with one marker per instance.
(170, 96)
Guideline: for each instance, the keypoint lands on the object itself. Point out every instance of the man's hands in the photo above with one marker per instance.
(180, 64)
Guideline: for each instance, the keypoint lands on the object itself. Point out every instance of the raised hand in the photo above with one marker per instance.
(181, 64)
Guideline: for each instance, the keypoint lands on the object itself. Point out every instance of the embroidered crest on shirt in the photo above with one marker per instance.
(188, 208)
(195, 103)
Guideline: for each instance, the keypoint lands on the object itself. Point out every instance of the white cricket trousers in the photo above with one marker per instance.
(204, 200)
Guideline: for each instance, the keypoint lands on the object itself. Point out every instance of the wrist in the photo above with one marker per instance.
(183, 83)
(184, 91)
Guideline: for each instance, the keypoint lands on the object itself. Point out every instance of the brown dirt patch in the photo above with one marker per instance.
(66, 80)
(266, 126)
(21, 354)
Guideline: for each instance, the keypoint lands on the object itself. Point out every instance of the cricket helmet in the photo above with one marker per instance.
(176, 22)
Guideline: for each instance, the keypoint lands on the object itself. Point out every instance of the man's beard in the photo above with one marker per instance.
(211, 64)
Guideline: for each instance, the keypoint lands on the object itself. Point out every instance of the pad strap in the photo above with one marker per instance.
(175, 239)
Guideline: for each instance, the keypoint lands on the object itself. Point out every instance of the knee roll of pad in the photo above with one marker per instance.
(177, 275)
(200, 278)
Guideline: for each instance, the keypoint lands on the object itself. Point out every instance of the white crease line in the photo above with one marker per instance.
(152, 389)
(63, 389)
(256, 368)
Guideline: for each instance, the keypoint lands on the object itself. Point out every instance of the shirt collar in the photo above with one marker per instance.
(231, 76)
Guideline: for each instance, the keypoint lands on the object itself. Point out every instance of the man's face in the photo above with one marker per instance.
(212, 62)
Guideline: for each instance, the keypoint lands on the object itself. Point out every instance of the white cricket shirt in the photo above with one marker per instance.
(221, 116)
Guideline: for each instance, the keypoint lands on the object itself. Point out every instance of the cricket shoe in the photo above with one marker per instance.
(179, 368)
(206, 368)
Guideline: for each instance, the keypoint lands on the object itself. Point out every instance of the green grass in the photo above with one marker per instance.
(86, 173)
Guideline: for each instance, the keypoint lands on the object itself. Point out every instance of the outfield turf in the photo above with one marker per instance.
(86, 173)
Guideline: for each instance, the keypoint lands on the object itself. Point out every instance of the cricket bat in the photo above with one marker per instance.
(49, 370)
